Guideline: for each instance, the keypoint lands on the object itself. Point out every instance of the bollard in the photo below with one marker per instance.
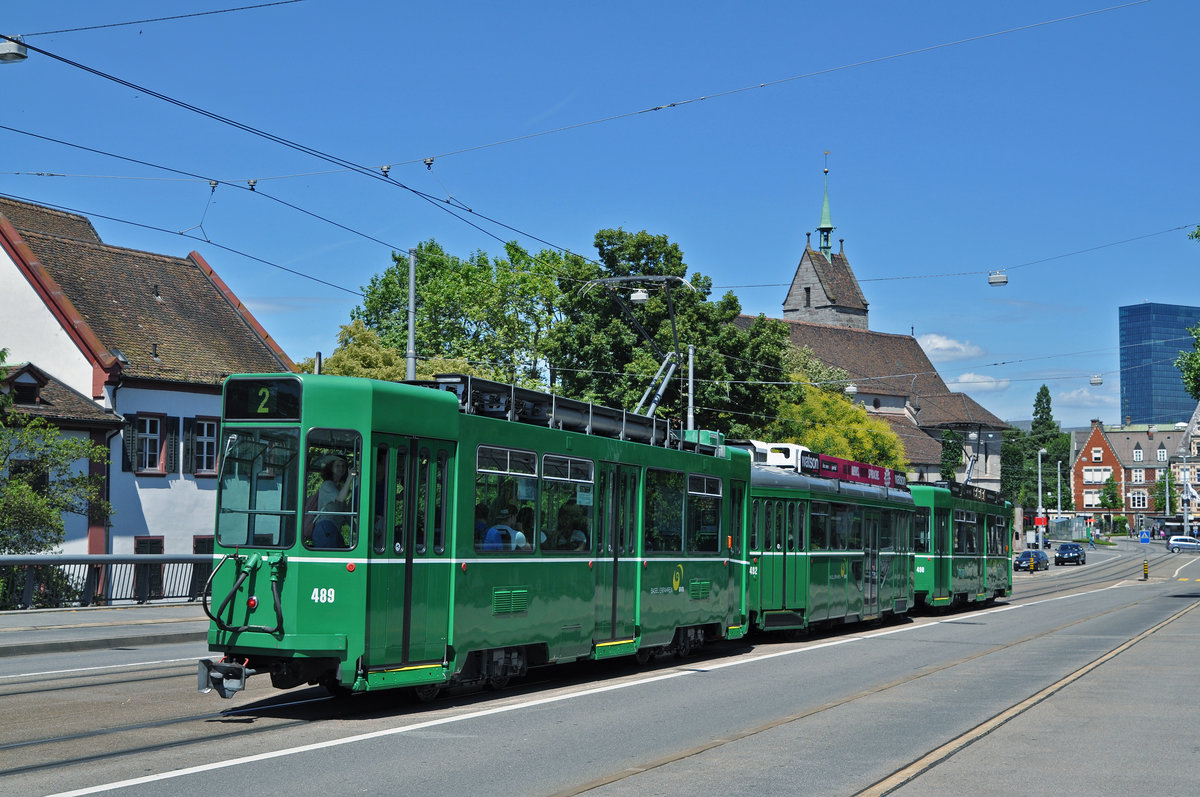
(1032, 564)
(1145, 570)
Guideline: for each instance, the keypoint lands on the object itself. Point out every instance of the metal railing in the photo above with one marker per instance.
(46, 581)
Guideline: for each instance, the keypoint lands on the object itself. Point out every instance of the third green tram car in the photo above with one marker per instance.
(962, 545)
(373, 535)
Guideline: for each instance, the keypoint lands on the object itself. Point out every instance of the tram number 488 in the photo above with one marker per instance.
(322, 595)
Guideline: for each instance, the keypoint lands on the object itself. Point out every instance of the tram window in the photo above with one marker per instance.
(966, 532)
(260, 479)
(779, 530)
(506, 489)
(755, 526)
(887, 530)
(332, 488)
(422, 506)
(1000, 535)
(379, 501)
(941, 530)
(738, 517)
(440, 501)
(664, 510)
(399, 506)
(921, 542)
(703, 514)
(818, 535)
(845, 536)
(566, 504)
(629, 513)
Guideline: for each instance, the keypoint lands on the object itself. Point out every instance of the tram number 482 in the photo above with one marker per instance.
(322, 595)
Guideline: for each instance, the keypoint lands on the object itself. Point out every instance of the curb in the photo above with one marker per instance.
(70, 645)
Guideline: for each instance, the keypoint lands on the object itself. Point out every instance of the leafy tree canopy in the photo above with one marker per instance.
(1188, 362)
(542, 319)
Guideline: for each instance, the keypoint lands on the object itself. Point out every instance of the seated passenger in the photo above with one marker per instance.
(522, 524)
(500, 536)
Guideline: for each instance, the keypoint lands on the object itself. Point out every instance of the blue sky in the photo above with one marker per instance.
(1063, 153)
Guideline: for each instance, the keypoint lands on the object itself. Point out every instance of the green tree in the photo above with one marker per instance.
(1110, 497)
(39, 482)
(1014, 470)
(1188, 362)
(492, 313)
(542, 319)
(827, 422)
(952, 454)
(1158, 492)
(360, 352)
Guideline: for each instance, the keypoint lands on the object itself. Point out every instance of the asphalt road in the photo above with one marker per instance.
(1068, 688)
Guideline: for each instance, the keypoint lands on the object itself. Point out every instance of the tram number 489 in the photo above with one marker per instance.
(322, 595)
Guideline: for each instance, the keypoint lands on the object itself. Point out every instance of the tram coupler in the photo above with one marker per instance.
(223, 677)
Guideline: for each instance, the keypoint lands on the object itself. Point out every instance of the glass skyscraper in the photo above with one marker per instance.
(1152, 335)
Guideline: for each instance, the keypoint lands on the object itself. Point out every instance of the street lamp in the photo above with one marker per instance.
(11, 49)
(1058, 492)
(1040, 511)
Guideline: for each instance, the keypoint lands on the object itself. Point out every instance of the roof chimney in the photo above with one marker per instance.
(841, 246)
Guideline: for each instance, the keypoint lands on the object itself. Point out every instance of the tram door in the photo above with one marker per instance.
(774, 557)
(616, 571)
(870, 563)
(410, 524)
(943, 562)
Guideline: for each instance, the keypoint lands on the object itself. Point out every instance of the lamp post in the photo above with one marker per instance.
(1058, 492)
(1186, 500)
(1041, 512)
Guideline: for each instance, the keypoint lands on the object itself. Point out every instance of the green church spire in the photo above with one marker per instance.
(826, 225)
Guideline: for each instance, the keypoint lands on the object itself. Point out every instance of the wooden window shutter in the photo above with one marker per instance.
(129, 440)
(189, 445)
(172, 425)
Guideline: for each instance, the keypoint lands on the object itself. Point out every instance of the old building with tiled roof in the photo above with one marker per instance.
(147, 339)
(892, 377)
(1136, 457)
(894, 380)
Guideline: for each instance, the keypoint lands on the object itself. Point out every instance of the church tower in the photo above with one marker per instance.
(824, 289)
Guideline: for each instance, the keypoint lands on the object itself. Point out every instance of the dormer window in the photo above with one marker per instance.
(1162, 455)
(1137, 454)
(25, 393)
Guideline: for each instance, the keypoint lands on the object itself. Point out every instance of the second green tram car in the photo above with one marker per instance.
(962, 544)
(826, 551)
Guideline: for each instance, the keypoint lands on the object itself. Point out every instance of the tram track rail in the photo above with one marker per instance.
(906, 775)
(121, 741)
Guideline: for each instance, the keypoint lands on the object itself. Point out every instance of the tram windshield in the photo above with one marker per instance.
(256, 498)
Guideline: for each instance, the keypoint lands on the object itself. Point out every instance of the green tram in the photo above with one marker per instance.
(962, 546)
(373, 535)
(824, 551)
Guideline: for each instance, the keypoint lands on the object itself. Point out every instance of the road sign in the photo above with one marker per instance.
(1039, 521)
(1144, 536)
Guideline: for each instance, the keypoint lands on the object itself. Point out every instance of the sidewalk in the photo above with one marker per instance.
(37, 631)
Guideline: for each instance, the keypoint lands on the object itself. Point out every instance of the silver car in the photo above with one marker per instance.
(1177, 544)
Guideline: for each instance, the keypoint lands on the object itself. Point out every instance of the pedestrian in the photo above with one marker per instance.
(1091, 541)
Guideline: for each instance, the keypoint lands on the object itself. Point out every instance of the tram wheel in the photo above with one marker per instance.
(427, 692)
(644, 656)
(685, 648)
(497, 682)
